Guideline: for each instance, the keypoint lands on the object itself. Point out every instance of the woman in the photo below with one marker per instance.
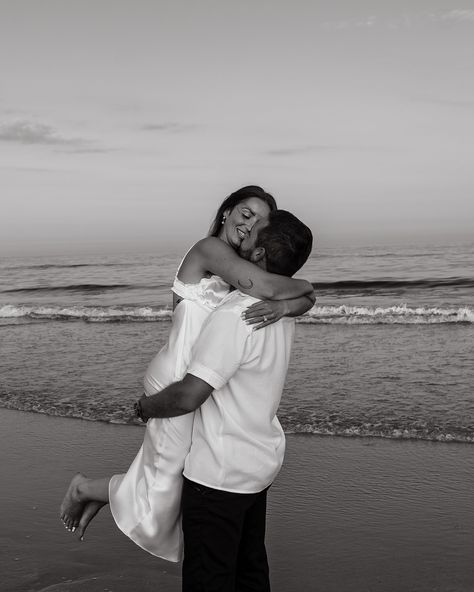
(145, 502)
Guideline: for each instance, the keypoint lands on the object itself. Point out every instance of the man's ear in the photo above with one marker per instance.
(258, 254)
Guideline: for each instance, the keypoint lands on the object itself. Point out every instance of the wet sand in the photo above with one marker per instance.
(345, 514)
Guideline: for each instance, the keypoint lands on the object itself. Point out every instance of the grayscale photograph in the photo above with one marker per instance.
(237, 296)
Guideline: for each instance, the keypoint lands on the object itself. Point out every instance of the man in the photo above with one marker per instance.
(234, 383)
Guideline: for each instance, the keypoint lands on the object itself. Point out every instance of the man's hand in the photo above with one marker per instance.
(138, 409)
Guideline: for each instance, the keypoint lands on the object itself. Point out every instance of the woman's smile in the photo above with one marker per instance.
(238, 222)
(241, 233)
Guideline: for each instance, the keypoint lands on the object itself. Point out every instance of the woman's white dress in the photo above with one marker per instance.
(145, 501)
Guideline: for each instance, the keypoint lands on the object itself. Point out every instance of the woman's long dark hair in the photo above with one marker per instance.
(235, 198)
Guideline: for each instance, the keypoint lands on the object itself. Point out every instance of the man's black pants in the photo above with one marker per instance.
(224, 540)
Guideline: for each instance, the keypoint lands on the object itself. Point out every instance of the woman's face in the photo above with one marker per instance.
(240, 220)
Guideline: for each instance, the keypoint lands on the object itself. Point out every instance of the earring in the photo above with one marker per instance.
(223, 219)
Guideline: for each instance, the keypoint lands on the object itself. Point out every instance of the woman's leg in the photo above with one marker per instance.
(90, 510)
(80, 492)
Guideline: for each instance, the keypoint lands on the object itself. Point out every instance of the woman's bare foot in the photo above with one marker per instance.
(90, 510)
(72, 506)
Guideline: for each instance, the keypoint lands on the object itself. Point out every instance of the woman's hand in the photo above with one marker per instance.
(265, 313)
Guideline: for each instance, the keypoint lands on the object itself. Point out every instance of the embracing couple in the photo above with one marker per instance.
(213, 444)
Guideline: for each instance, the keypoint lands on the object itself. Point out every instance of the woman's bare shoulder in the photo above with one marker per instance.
(210, 244)
(203, 248)
(194, 265)
(199, 261)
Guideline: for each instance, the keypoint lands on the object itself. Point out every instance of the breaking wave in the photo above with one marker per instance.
(345, 287)
(86, 313)
(390, 285)
(396, 315)
(97, 288)
(68, 265)
(349, 315)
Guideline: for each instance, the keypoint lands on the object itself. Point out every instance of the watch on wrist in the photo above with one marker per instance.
(137, 408)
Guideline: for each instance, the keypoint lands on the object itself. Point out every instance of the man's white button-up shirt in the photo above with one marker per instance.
(238, 443)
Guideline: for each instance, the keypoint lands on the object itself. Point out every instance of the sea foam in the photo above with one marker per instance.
(399, 314)
(352, 315)
(119, 412)
(84, 313)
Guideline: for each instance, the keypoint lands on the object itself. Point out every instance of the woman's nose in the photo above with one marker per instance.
(250, 224)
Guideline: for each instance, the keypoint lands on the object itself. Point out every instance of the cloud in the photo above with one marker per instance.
(300, 150)
(86, 150)
(314, 149)
(357, 23)
(401, 21)
(464, 104)
(27, 169)
(35, 133)
(458, 15)
(30, 132)
(167, 126)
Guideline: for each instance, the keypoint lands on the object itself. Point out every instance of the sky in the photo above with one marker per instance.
(124, 123)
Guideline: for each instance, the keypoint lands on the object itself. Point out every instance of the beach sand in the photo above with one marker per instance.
(345, 514)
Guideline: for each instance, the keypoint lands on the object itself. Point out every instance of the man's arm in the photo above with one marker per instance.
(216, 358)
(176, 399)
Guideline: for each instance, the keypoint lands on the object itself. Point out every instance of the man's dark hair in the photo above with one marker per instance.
(287, 242)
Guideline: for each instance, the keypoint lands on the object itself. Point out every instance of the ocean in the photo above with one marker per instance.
(387, 350)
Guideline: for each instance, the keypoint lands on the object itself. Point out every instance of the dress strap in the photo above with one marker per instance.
(179, 266)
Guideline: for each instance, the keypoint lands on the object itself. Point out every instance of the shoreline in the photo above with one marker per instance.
(349, 433)
(346, 513)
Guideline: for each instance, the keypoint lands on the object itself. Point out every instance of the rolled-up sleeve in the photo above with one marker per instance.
(219, 350)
